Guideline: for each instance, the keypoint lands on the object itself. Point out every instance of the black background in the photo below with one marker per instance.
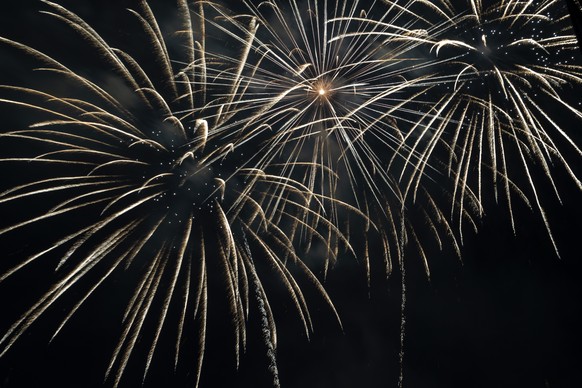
(508, 315)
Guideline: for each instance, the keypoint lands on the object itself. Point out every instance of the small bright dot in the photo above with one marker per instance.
(321, 91)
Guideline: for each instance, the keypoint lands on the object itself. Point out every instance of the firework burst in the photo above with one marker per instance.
(204, 162)
(146, 187)
(505, 69)
(329, 104)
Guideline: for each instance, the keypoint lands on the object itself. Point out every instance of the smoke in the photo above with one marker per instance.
(266, 332)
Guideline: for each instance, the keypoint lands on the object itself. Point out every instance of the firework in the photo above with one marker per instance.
(330, 105)
(136, 181)
(397, 110)
(221, 154)
(506, 70)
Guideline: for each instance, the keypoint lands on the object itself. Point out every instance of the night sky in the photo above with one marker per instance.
(508, 315)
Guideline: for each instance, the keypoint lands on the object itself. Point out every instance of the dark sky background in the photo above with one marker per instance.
(508, 315)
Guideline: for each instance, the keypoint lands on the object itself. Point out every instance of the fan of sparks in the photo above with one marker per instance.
(139, 172)
(241, 141)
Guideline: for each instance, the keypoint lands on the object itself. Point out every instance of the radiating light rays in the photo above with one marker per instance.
(523, 66)
(248, 141)
(302, 84)
(326, 101)
(504, 69)
(149, 189)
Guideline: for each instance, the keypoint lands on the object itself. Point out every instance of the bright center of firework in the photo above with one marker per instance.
(321, 88)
